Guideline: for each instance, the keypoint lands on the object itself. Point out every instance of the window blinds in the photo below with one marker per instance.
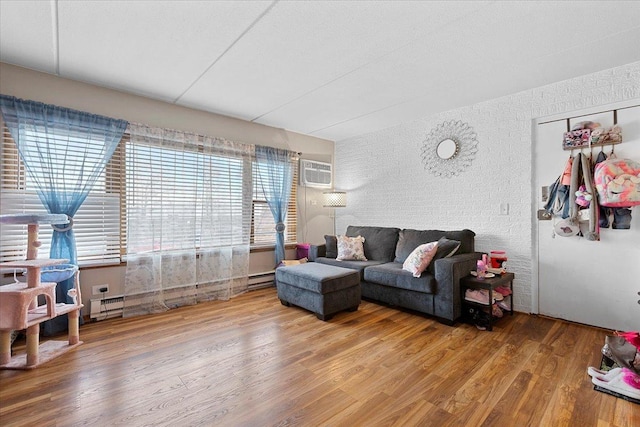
(96, 224)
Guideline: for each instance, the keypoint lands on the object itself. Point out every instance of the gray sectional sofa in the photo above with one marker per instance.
(436, 292)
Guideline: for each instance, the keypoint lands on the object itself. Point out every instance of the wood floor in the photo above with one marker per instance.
(253, 362)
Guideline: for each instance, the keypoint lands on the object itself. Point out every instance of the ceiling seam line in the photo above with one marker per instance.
(376, 59)
(246, 30)
(368, 113)
(55, 29)
(570, 49)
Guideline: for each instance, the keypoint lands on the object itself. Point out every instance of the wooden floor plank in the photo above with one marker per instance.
(253, 362)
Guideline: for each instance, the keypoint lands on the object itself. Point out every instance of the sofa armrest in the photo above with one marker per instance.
(316, 251)
(448, 272)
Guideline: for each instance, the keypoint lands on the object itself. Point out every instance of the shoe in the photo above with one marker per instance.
(503, 305)
(617, 384)
(503, 290)
(631, 378)
(495, 310)
(604, 374)
(482, 321)
(496, 295)
(476, 295)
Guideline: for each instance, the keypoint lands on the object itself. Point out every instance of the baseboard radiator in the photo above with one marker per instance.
(262, 280)
(107, 308)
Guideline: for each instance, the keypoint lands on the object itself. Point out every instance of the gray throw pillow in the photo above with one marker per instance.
(331, 243)
(446, 248)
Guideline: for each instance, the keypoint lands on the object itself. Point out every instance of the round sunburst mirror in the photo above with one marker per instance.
(449, 148)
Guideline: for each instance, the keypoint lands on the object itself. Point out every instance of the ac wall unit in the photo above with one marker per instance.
(315, 174)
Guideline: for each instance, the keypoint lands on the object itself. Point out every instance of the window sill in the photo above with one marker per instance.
(267, 248)
(92, 266)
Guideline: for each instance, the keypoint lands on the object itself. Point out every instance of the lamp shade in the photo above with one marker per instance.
(335, 199)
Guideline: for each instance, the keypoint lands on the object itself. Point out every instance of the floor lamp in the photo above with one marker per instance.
(335, 199)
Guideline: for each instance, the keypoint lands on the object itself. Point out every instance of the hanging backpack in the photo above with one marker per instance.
(618, 182)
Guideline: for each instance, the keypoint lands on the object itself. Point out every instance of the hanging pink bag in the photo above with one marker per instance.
(618, 182)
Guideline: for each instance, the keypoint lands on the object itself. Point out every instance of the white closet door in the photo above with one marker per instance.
(594, 283)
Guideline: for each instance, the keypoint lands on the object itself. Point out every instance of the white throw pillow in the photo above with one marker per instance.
(419, 259)
(350, 248)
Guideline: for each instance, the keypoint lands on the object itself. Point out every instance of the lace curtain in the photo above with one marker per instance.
(188, 219)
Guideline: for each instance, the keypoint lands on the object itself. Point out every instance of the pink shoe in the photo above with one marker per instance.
(503, 305)
(476, 295)
(503, 290)
(631, 378)
(495, 310)
(617, 384)
(497, 296)
(607, 375)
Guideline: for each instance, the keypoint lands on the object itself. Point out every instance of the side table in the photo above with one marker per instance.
(472, 282)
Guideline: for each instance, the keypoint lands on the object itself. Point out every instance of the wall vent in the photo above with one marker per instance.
(106, 308)
(315, 174)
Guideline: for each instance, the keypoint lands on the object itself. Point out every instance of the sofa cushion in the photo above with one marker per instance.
(331, 245)
(380, 242)
(409, 239)
(350, 248)
(354, 265)
(392, 274)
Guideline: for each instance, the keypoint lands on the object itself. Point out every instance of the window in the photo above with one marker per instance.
(180, 197)
(96, 224)
(100, 225)
(262, 222)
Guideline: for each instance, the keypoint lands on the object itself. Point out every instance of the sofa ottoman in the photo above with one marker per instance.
(323, 289)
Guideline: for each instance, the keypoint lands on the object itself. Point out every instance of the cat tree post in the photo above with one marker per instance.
(19, 302)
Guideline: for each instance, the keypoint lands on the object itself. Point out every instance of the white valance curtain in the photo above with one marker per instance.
(188, 210)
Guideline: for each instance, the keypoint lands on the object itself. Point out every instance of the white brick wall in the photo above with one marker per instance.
(388, 185)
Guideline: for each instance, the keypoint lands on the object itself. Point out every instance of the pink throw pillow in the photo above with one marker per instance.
(420, 258)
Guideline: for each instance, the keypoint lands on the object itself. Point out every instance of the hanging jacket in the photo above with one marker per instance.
(581, 172)
(558, 201)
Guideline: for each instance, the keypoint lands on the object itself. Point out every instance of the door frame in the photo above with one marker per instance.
(535, 270)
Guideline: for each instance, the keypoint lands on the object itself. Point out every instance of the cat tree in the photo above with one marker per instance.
(19, 307)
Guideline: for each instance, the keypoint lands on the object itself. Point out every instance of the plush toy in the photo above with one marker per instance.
(614, 134)
(597, 135)
(586, 125)
(583, 198)
(610, 135)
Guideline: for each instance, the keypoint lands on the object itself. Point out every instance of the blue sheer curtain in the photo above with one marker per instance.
(64, 152)
(275, 175)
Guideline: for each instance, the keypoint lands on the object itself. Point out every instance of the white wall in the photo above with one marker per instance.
(387, 184)
(29, 84)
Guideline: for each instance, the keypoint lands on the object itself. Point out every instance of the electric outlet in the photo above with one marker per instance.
(100, 289)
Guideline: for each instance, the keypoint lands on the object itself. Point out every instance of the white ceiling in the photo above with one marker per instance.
(332, 69)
